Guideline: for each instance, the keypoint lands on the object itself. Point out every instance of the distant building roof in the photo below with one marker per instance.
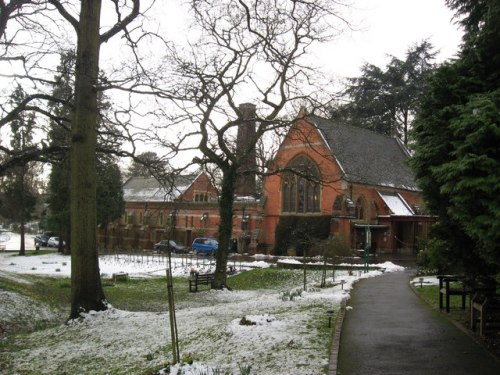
(367, 157)
(149, 189)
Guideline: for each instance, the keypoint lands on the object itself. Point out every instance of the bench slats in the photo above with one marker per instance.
(485, 311)
(200, 279)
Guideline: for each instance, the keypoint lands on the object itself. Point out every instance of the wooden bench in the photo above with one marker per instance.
(200, 279)
(485, 312)
(447, 288)
(120, 276)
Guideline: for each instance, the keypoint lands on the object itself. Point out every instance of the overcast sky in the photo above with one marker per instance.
(380, 28)
(390, 27)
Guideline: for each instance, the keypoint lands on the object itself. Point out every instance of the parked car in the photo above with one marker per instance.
(43, 238)
(53, 242)
(176, 248)
(205, 245)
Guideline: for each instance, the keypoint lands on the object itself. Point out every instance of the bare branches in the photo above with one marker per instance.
(16, 158)
(67, 15)
(121, 24)
(246, 49)
(10, 10)
(25, 106)
(33, 34)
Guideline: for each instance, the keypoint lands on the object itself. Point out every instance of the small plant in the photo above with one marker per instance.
(218, 371)
(291, 295)
(165, 369)
(188, 359)
(285, 296)
(244, 369)
(246, 322)
(150, 356)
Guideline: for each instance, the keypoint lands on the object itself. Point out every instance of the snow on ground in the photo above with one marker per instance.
(288, 336)
(425, 280)
(12, 241)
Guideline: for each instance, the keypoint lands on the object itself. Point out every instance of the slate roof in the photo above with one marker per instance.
(367, 157)
(149, 189)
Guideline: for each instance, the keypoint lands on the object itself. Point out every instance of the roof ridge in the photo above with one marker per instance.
(366, 156)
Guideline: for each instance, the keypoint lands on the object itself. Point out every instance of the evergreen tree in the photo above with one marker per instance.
(59, 134)
(147, 164)
(110, 203)
(457, 133)
(385, 100)
(19, 192)
(109, 187)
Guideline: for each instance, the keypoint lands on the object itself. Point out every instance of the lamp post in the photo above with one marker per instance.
(368, 240)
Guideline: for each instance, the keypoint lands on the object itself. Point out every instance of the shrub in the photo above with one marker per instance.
(300, 232)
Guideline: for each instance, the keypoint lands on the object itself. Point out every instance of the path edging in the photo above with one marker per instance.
(334, 354)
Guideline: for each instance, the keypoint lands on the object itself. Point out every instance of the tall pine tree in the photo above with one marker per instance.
(457, 133)
(109, 193)
(385, 100)
(19, 190)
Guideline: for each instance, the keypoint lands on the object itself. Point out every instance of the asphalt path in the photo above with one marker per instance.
(391, 331)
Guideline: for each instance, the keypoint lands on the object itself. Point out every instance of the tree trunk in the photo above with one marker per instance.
(22, 247)
(86, 289)
(225, 226)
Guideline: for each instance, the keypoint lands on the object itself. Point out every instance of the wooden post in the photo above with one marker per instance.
(171, 310)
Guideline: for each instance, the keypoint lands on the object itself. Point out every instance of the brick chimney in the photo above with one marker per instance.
(245, 184)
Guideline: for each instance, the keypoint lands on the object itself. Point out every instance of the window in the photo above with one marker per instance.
(300, 187)
(360, 211)
(201, 197)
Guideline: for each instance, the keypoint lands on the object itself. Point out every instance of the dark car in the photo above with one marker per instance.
(205, 245)
(174, 246)
(43, 238)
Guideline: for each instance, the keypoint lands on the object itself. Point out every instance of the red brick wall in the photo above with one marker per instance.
(303, 138)
(201, 185)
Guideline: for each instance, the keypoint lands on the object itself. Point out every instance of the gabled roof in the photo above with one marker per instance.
(149, 189)
(367, 157)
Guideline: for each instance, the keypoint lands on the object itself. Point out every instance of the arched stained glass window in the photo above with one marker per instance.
(300, 186)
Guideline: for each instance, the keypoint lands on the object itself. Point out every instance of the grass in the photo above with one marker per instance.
(430, 294)
(147, 294)
(50, 290)
(143, 294)
(150, 295)
(270, 278)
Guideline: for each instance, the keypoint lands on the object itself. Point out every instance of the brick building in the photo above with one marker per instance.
(357, 178)
(354, 179)
(182, 210)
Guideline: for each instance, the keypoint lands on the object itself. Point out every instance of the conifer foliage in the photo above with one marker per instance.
(457, 133)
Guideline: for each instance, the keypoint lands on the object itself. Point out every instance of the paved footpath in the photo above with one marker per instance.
(391, 331)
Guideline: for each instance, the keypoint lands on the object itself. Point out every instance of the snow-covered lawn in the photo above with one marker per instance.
(288, 337)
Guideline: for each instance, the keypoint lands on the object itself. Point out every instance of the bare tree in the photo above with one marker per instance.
(31, 34)
(244, 47)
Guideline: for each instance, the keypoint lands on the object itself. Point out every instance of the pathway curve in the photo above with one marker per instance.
(391, 331)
